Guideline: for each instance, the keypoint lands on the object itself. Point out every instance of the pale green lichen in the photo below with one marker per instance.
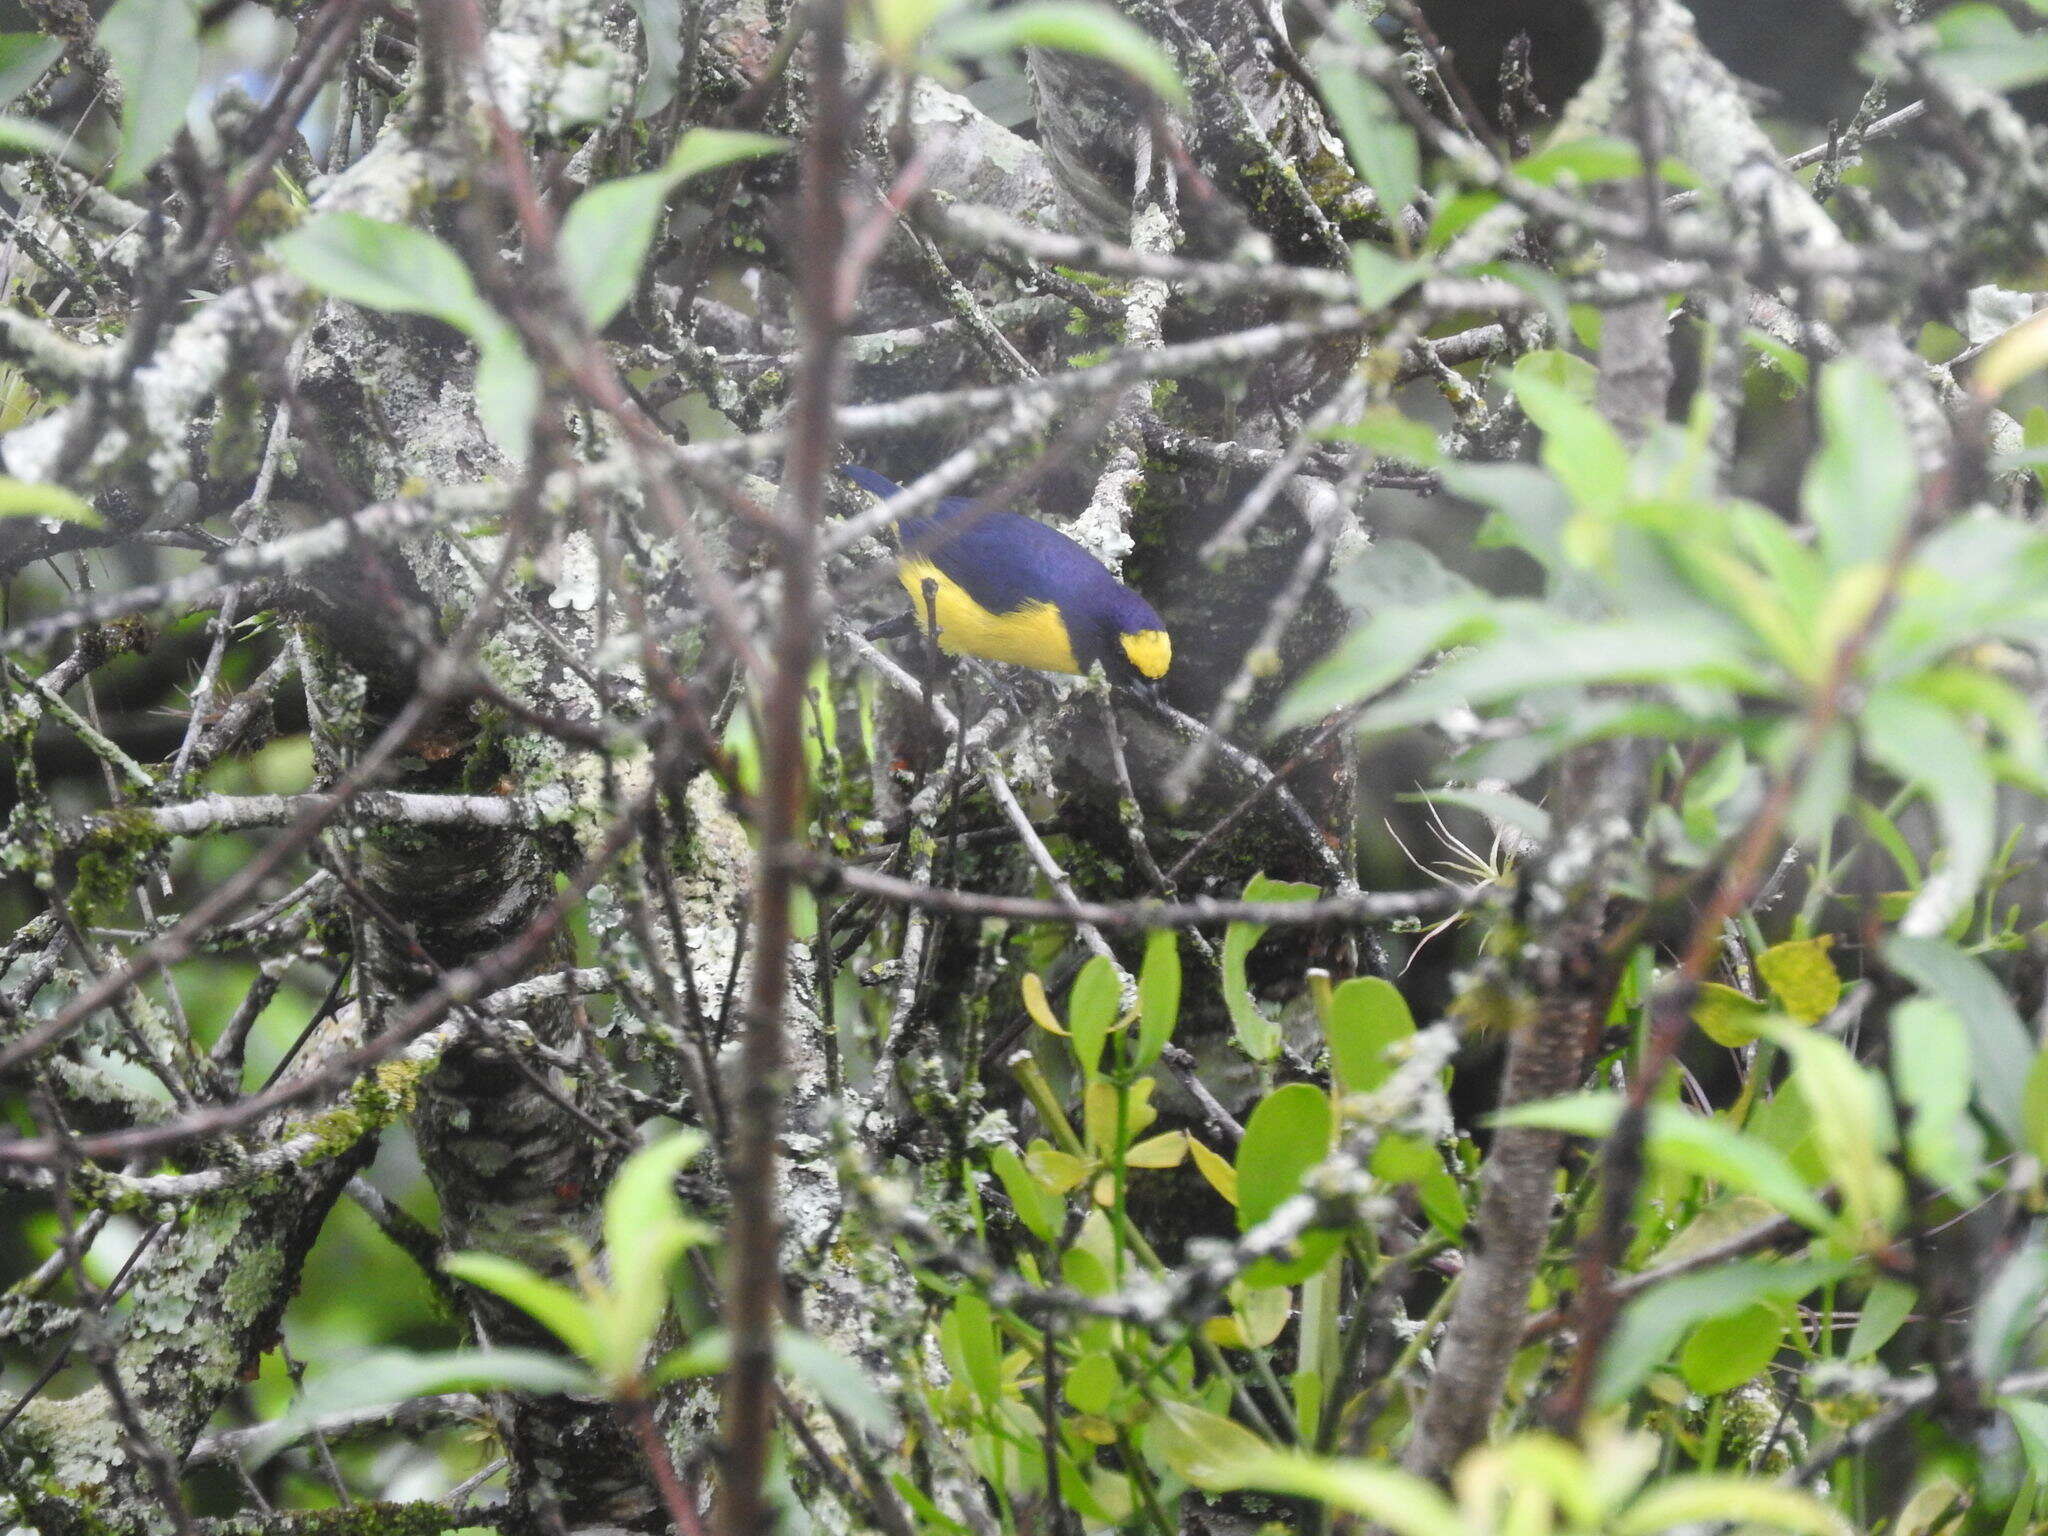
(74, 1441)
(379, 1097)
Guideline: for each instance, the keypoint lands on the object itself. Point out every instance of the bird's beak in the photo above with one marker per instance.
(1147, 691)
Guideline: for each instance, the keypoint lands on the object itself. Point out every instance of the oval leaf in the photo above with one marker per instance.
(1067, 26)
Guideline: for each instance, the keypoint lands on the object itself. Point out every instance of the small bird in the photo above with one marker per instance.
(1009, 588)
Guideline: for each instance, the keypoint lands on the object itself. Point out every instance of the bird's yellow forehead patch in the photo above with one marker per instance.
(1150, 650)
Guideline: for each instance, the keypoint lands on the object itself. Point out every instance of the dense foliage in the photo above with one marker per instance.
(522, 1009)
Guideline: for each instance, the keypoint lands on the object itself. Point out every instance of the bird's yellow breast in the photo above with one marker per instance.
(1033, 636)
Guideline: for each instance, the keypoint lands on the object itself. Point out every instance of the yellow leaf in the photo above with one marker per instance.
(1098, 1114)
(1802, 977)
(2021, 351)
(1225, 1332)
(1257, 1315)
(1166, 1150)
(1039, 1009)
(1221, 1176)
(1059, 1171)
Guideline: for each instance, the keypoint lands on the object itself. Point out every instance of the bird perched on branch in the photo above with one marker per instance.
(1008, 588)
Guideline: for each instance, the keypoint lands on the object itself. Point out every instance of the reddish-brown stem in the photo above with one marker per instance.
(753, 1259)
(1670, 1009)
(682, 1509)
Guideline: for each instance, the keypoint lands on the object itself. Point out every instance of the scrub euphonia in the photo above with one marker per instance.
(1009, 588)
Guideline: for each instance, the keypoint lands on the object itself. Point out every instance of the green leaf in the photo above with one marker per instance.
(1379, 654)
(1392, 573)
(1460, 211)
(1495, 805)
(1557, 653)
(661, 24)
(839, 1383)
(1091, 1010)
(606, 234)
(27, 498)
(645, 1232)
(899, 26)
(604, 239)
(1722, 1499)
(1860, 486)
(1726, 1016)
(1969, 690)
(1367, 1016)
(1203, 1447)
(1653, 1323)
(1091, 1382)
(1383, 148)
(390, 267)
(1400, 1501)
(1392, 435)
(1930, 1066)
(642, 1194)
(1926, 746)
(1724, 1352)
(1066, 26)
(1852, 1126)
(1707, 1147)
(37, 139)
(1579, 447)
(1566, 371)
(396, 1376)
(1257, 1034)
(2000, 1046)
(23, 58)
(568, 1316)
(708, 1354)
(508, 390)
(1585, 161)
(1289, 1132)
(974, 1335)
(1823, 794)
(1037, 1207)
(1443, 1202)
(2008, 1311)
(2034, 1108)
(1802, 977)
(401, 270)
(1158, 996)
(154, 48)
(1383, 278)
(1789, 363)
(2030, 1419)
(1981, 46)
(1885, 1310)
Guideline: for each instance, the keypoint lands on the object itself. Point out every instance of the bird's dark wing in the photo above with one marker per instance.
(869, 481)
(1005, 560)
(882, 486)
(1002, 559)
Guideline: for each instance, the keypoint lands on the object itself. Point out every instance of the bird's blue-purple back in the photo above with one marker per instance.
(1006, 560)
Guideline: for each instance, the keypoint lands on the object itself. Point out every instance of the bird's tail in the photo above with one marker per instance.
(869, 481)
